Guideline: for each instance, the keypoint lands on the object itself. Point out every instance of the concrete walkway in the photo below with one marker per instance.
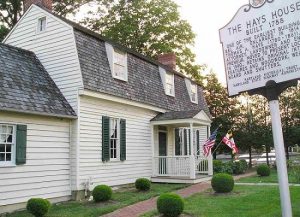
(139, 208)
(265, 184)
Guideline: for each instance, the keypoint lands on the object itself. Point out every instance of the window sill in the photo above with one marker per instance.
(7, 165)
(120, 78)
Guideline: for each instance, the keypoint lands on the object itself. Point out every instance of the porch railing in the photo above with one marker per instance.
(202, 165)
(171, 166)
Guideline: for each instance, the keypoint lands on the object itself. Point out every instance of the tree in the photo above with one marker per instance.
(11, 11)
(224, 110)
(290, 115)
(150, 27)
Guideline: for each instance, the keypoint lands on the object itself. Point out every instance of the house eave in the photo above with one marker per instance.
(39, 113)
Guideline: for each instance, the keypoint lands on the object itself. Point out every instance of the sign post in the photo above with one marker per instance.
(261, 48)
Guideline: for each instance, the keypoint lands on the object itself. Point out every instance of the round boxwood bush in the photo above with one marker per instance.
(38, 207)
(218, 166)
(143, 184)
(102, 193)
(170, 204)
(263, 170)
(222, 183)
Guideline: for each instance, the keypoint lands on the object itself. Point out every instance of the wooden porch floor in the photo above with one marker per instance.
(181, 179)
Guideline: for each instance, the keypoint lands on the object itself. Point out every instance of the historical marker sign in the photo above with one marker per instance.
(262, 43)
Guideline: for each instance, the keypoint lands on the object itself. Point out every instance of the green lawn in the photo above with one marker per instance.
(244, 201)
(121, 198)
(268, 179)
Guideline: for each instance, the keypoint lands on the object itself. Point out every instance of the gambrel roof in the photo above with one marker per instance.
(144, 82)
(25, 86)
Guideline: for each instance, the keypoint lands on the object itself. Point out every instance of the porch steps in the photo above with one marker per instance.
(181, 179)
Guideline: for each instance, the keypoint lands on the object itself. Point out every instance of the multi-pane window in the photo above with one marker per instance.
(194, 93)
(120, 65)
(114, 138)
(170, 84)
(42, 24)
(6, 144)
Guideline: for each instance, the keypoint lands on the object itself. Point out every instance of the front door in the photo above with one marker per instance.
(162, 141)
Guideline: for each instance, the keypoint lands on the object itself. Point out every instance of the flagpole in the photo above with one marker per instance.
(220, 143)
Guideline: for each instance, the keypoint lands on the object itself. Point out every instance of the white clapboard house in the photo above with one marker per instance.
(77, 110)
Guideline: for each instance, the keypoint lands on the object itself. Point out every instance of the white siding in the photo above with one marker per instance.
(203, 137)
(138, 138)
(55, 48)
(47, 170)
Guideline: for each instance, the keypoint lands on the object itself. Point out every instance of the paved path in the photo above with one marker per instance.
(265, 184)
(139, 208)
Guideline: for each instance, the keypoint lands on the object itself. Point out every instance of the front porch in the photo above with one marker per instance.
(177, 147)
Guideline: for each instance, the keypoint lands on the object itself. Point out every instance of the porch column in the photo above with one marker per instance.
(210, 157)
(192, 157)
(153, 151)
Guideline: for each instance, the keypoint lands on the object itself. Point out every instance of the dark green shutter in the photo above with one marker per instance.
(21, 141)
(190, 139)
(198, 142)
(105, 139)
(122, 139)
(177, 142)
(185, 141)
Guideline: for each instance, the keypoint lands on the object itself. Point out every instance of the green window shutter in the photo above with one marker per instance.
(198, 141)
(185, 141)
(122, 139)
(21, 142)
(177, 142)
(105, 139)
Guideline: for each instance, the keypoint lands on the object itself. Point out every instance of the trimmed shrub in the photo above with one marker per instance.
(228, 167)
(38, 207)
(218, 166)
(244, 165)
(102, 193)
(295, 169)
(239, 167)
(170, 204)
(142, 184)
(263, 170)
(222, 183)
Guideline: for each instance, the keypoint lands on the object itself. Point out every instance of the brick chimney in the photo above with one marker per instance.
(168, 59)
(44, 3)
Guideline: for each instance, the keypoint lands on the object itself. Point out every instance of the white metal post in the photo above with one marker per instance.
(210, 157)
(192, 157)
(280, 159)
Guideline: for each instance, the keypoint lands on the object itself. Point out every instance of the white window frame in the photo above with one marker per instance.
(182, 145)
(110, 52)
(125, 77)
(170, 92)
(38, 29)
(117, 139)
(13, 147)
(194, 86)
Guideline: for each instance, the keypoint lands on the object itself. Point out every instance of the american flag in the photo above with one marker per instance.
(210, 143)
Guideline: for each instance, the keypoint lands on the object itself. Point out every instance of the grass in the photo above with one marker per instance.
(267, 179)
(121, 198)
(244, 201)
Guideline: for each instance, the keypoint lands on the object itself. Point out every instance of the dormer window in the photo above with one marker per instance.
(120, 65)
(118, 62)
(42, 24)
(192, 90)
(169, 87)
(194, 93)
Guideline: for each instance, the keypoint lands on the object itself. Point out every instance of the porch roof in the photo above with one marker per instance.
(176, 117)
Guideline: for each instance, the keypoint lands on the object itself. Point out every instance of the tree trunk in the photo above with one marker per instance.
(267, 154)
(287, 152)
(250, 157)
